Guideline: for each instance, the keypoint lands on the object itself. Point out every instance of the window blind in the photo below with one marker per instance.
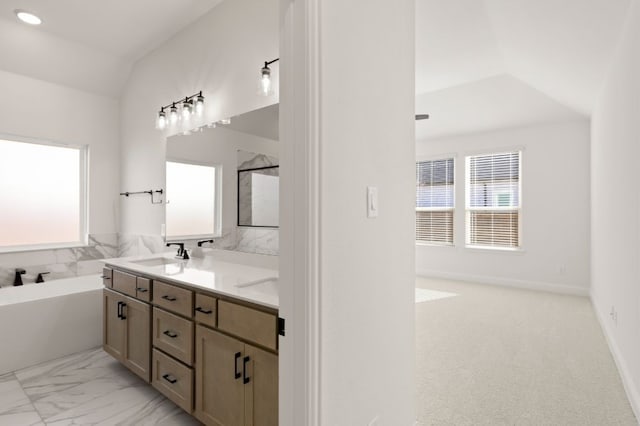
(493, 200)
(435, 201)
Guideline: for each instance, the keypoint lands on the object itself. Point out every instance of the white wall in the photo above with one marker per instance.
(367, 266)
(555, 210)
(615, 206)
(37, 109)
(220, 54)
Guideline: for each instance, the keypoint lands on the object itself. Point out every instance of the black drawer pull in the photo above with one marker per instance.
(245, 379)
(104, 277)
(235, 366)
(171, 334)
(142, 289)
(203, 310)
(169, 379)
(169, 298)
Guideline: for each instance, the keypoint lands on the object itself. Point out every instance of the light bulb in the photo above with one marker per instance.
(225, 121)
(173, 114)
(199, 104)
(265, 82)
(187, 109)
(27, 17)
(162, 119)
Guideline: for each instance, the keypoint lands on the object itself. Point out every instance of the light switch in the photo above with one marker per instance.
(372, 201)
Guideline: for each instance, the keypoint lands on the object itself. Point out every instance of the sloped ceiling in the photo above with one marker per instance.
(554, 49)
(90, 45)
(496, 102)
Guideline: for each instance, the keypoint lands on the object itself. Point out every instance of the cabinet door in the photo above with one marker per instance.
(138, 337)
(261, 391)
(219, 387)
(113, 337)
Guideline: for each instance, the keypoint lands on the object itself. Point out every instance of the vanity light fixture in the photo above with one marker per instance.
(265, 78)
(27, 17)
(199, 104)
(162, 119)
(173, 115)
(186, 107)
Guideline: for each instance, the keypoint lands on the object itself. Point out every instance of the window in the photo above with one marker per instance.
(193, 200)
(493, 200)
(42, 188)
(434, 201)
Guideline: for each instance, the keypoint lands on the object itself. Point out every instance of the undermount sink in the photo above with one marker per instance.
(156, 261)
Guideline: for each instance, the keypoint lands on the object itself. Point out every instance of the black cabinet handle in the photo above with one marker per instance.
(245, 379)
(171, 334)
(104, 277)
(122, 312)
(169, 298)
(235, 366)
(142, 289)
(119, 310)
(169, 379)
(203, 310)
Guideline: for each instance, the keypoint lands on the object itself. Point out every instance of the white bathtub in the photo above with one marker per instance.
(41, 322)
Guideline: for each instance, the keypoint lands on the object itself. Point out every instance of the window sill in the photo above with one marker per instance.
(422, 244)
(497, 250)
(43, 247)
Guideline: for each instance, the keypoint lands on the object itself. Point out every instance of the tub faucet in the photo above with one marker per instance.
(18, 279)
(40, 278)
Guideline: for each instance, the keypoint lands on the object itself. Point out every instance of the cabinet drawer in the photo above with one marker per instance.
(172, 298)
(107, 277)
(143, 289)
(248, 323)
(173, 334)
(205, 310)
(173, 380)
(124, 283)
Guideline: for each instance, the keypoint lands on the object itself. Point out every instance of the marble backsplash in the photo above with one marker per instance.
(60, 263)
(77, 261)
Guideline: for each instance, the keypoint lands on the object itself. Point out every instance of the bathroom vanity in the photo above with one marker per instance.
(203, 332)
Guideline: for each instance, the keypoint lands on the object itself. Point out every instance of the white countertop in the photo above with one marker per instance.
(241, 281)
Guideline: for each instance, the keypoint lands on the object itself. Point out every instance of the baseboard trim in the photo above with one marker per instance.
(633, 395)
(506, 282)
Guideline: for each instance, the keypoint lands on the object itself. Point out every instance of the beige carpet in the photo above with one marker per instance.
(500, 356)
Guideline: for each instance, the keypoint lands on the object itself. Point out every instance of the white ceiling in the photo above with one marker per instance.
(559, 49)
(90, 44)
(128, 29)
(496, 102)
(263, 122)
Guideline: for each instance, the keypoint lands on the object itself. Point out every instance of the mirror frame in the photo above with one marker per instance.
(238, 198)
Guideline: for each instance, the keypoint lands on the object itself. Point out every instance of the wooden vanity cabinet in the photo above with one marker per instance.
(214, 356)
(236, 383)
(127, 331)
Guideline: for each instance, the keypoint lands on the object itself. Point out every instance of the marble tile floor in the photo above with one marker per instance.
(88, 388)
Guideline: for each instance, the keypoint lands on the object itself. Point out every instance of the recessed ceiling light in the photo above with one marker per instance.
(27, 17)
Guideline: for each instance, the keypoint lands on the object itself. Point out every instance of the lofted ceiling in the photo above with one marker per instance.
(90, 44)
(558, 49)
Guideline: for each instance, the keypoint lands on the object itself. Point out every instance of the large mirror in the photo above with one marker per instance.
(223, 181)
